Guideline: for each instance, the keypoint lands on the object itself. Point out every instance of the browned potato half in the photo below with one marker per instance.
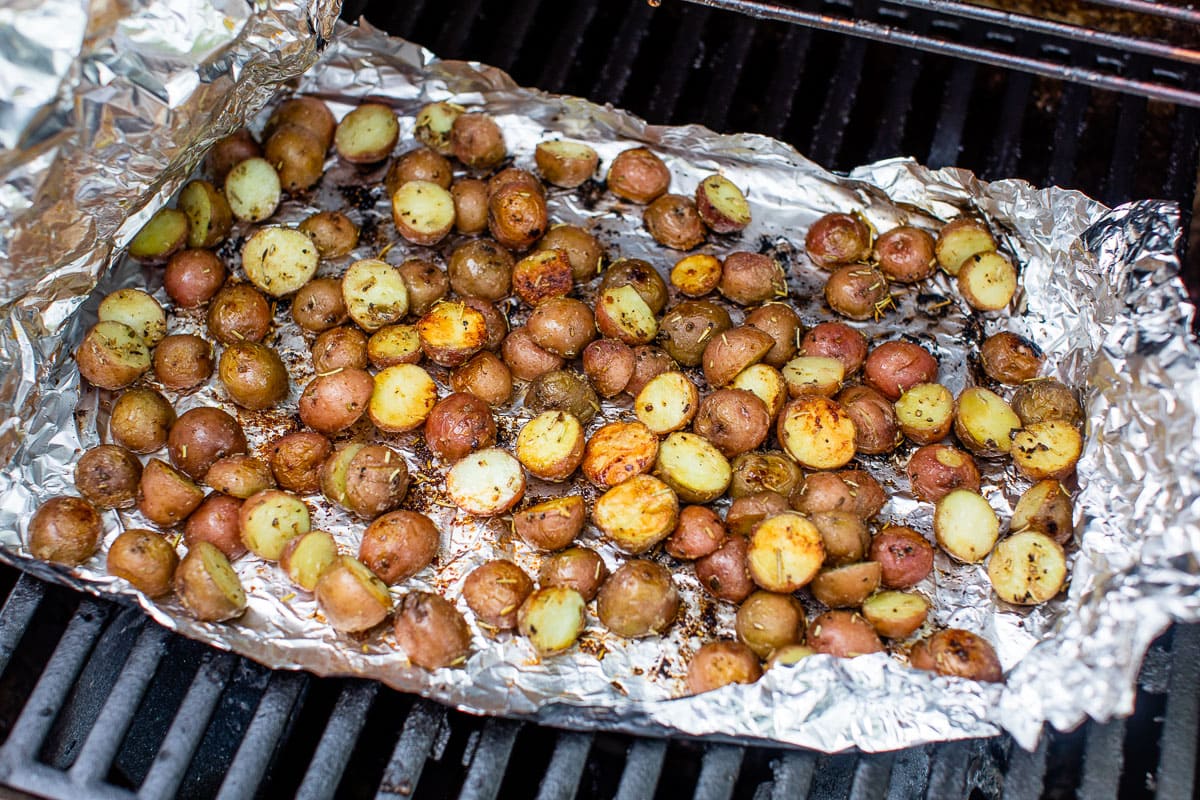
(667, 403)
(961, 654)
(375, 294)
(166, 232)
(319, 306)
(376, 479)
(725, 572)
(562, 390)
(698, 533)
(296, 460)
(476, 141)
(925, 413)
(183, 361)
(481, 268)
(984, 423)
(403, 397)
(959, 240)
(1027, 568)
(733, 420)
(193, 277)
(1046, 508)
(696, 275)
(784, 326)
(434, 123)
(253, 190)
(965, 525)
(895, 367)
(1047, 450)
(767, 621)
(65, 530)
(394, 344)
(334, 472)
(140, 420)
(637, 600)
(459, 424)
(165, 495)
(577, 568)
(688, 328)
(858, 292)
(905, 254)
(583, 250)
(813, 375)
(145, 559)
(201, 437)
(895, 615)
(297, 155)
(789, 655)
(817, 432)
(240, 476)
(112, 355)
(836, 340)
(637, 514)
(310, 113)
(849, 490)
(622, 314)
(517, 216)
(350, 597)
(609, 366)
(494, 591)
(229, 151)
(486, 377)
(731, 351)
(431, 631)
(217, 521)
(764, 472)
(486, 483)
(551, 445)
(306, 557)
(845, 536)
(208, 213)
(421, 164)
(752, 278)
(672, 221)
(1009, 358)
(561, 325)
(398, 545)
(207, 586)
(837, 239)
(451, 333)
(718, 664)
(107, 476)
(935, 470)
(619, 451)
(425, 282)
(470, 197)
(334, 401)
(344, 347)
(844, 634)
(270, 519)
(525, 359)
(367, 134)
(876, 428)
(693, 466)
(1046, 400)
(334, 234)
(423, 212)
(638, 175)
(846, 586)
(566, 164)
(765, 383)
(541, 276)
(747, 511)
(786, 552)
(551, 524)
(254, 376)
(722, 205)
(987, 281)
(239, 313)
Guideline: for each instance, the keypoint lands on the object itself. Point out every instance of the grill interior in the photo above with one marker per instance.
(97, 701)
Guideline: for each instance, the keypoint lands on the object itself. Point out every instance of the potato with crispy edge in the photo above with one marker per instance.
(987, 281)
(722, 205)
(984, 423)
(431, 631)
(925, 413)
(253, 190)
(145, 559)
(165, 495)
(334, 234)
(725, 572)
(270, 519)
(239, 313)
(965, 525)
(376, 479)
(140, 420)
(434, 123)
(935, 470)
(517, 216)
(138, 310)
(786, 552)
(769, 471)
(112, 355)
(459, 424)
(578, 568)
(551, 445)
(193, 277)
(1045, 400)
(696, 275)
(541, 276)
(844, 634)
(852, 490)
(751, 278)
(1009, 358)
(846, 586)
(1047, 450)
(202, 436)
(551, 524)
(1027, 568)
(637, 514)
(494, 591)
(451, 333)
(253, 375)
(217, 521)
(693, 466)
(958, 654)
(486, 377)
(731, 351)
(767, 621)
(837, 239)
(394, 344)
(959, 240)
(164, 234)
(207, 586)
(673, 221)
(375, 294)
(476, 141)
(718, 664)
(619, 451)
(638, 599)
(183, 361)
(562, 326)
(65, 530)
(398, 545)
(108, 475)
(367, 134)
(565, 164)
(667, 403)
(350, 597)
(895, 615)
(817, 432)
(1046, 508)
(306, 557)
(906, 254)
(333, 402)
(486, 483)
(638, 175)
(402, 399)
(296, 460)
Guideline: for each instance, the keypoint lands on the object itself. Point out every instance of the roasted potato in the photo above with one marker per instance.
(552, 619)
(351, 598)
(582, 249)
(1009, 358)
(844, 634)
(718, 664)
(925, 413)
(959, 654)
(836, 340)
(423, 212)
(253, 190)
(959, 240)
(667, 403)
(551, 524)
(648, 361)
(402, 399)
(398, 545)
(161, 237)
(112, 355)
(517, 216)
(451, 333)
(562, 326)
(984, 423)
(813, 375)
(421, 164)
(165, 495)
(434, 123)
(698, 533)
(817, 432)
(619, 451)
(965, 525)
(693, 466)
(895, 367)
(905, 254)
(426, 284)
(1044, 401)
(847, 586)
(240, 476)
(730, 352)
(1046, 508)
(642, 276)
(270, 519)
(145, 559)
(765, 383)
(481, 268)
(217, 521)
(65, 530)
(193, 277)
(722, 205)
(207, 586)
(319, 306)
(431, 631)
(752, 278)
(1047, 450)
(849, 490)
(1027, 568)
(494, 591)
(577, 568)
(935, 470)
(307, 112)
(783, 325)
(343, 347)
(138, 310)
(767, 621)
(140, 420)
(229, 151)
(672, 221)
(332, 402)
(334, 234)
(837, 239)
(541, 276)
(202, 436)
(637, 514)
(845, 536)
(239, 313)
(696, 275)
(486, 377)
(747, 511)
(688, 328)
(334, 471)
(638, 175)
(296, 460)
(394, 344)
(764, 472)
(367, 134)
(637, 600)
(622, 314)
(470, 197)
(524, 358)
(987, 281)
(183, 361)
(875, 425)
(375, 294)
(494, 320)
(725, 572)
(515, 176)
(460, 424)
(786, 552)
(486, 483)
(107, 476)
(298, 157)
(895, 615)
(566, 164)
(254, 376)
(858, 292)
(551, 445)
(376, 479)
(734, 420)
(476, 141)
(306, 557)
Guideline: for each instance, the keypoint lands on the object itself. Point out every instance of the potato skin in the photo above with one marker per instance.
(764, 471)
(935, 470)
(1046, 400)
(751, 278)
(1046, 508)
(431, 631)
(183, 361)
(1009, 358)
(552, 524)
(846, 537)
(959, 654)
(767, 621)
(319, 306)
(145, 559)
(198, 589)
(747, 511)
(648, 363)
(333, 233)
(165, 495)
(689, 326)
(562, 390)
(494, 320)
(725, 573)
(673, 221)
(239, 313)
(846, 586)
(481, 268)
(836, 340)
(698, 533)
(644, 279)
(421, 164)
(517, 217)
(398, 545)
(470, 197)
(108, 475)
(637, 600)
(638, 175)
(783, 325)
(459, 424)
(727, 354)
(297, 155)
(486, 377)
(426, 284)
(217, 521)
(296, 460)
(566, 164)
(351, 597)
(582, 249)
(476, 141)
(376, 481)
(494, 591)
(562, 326)
(307, 112)
(905, 557)
(875, 426)
(229, 151)
(140, 420)
(858, 292)
(193, 277)
(339, 348)
(734, 420)
(894, 367)
(202, 436)
(253, 375)
(333, 402)
(905, 254)
(837, 239)
(844, 634)
(578, 568)
(718, 664)
(65, 530)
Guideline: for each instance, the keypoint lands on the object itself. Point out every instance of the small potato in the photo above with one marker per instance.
(637, 514)
(426, 284)
(552, 619)
(637, 600)
(849, 490)
(784, 326)
(139, 311)
(470, 197)
(733, 420)
(965, 525)
(551, 445)
(959, 240)
(433, 126)
(858, 292)
(1047, 450)
(394, 344)
(813, 375)
(165, 495)
(583, 250)
(722, 205)
(183, 361)
(297, 155)
(935, 470)
(476, 141)
(162, 236)
(217, 521)
(846, 586)
(767, 621)
(895, 615)
(960, 654)
(552, 524)
(421, 164)
(905, 254)
(525, 359)
(1046, 508)
(672, 221)
(65, 530)
(789, 655)
(486, 483)
(254, 376)
(334, 234)
(375, 294)
(648, 361)
(693, 466)
(817, 432)
(495, 590)
(431, 631)
(696, 275)
(367, 134)
(107, 476)
(895, 367)
(240, 476)
(402, 399)
(725, 572)
(905, 557)
(562, 390)
(844, 634)
(334, 472)
(698, 533)
(398, 545)
(638, 175)
(577, 568)
(319, 306)
(515, 176)
(333, 402)
(765, 383)
(350, 597)
(562, 326)
(987, 281)
(718, 664)
(1009, 358)
(201, 437)
(984, 423)
(836, 340)
(253, 190)
(486, 377)
(376, 481)
(230, 151)
(751, 278)
(565, 164)
(481, 268)
(1045, 400)
(269, 520)
(667, 403)
(925, 413)
(875, 425)
(609, 366)
(728, 353)
(344, 347)
(619, 451)
(747, 511)
(306, 557)
(541, 276)
(296, 460)
(239, 313)
(786, 552)
(837, 239)
(140, 420)
(517, 217)
(494, 319)
(145, 559)
(451, 333)
(642, 276)
(307, 112)
(112, 355)
(423, 212)
(460, 424)
(1027, 568)
(207, 586)
(845, 536)
(764, 472)
(622, 314)
(688, 328)
(193, 277)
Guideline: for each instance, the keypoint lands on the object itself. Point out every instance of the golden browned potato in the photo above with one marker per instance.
(1046, 508)
(376, 481)
(1027, 568)
(837, 239)
(165, 495)
(421, 164)
(112, 355)
(767, 621)
(637, 600)
(193, 277)
(108, 475)
(844, 634)
(318, 305)
(239, 313)
(935, 470)
(307, 112)
(693, 467)
(858, 292)
(486, 483)
(836, 340)
(747, 511)
(786, 552)
(965, 525)
(253, 375)
(959, 240)
(367, 134)
(1047, 450)
(565, 164)
(494, 591)
(451, 333)
(165, 233)
(65, 530)
(517, 216)
(817, 432)
(687, 329)
(728, 353)
(306, 557)
(343, 347)
(638, 175)
(852, 490)
(334, 234)
(459, 424)
(725, 572)
(609, 365)
(486, 377)
(987, 281)
(667, 403)
(698, 533)
(847, 586)
(752, 278)
(1009, 358)
(551, 524)
(524, 358)
(672, 221)
(201, 437)
(734, 420)
(434, 123)
(770, 471)
(984, 423)
(229, 151)
(696, 275)
(253, 190)
(637, 514)
(895, 615)
(403, 397)
(515, 176)
(375, 294)
(718, 664)
(145, 559)
(481, 268)
(562, 326)
(959, 654)
(270, 519)
(904, 556)
(845, 536)
(875, 425)
(217, 521)
(905, 254)
(619, 451)
(1046, 400)
(722, 205)
(582, 249)
(541, 276)
(208, 212)
(183, 361)
(297, 155)
(207, 586)
(423, 212)
(426, 284)
(784, 326)
(551, 445)
(296, 460)
(578, 568)
(431, 631)
(925, 413)
(394, 344)
(140, 420)
(767, 384)
(350, 597)
(470, 197)
(476, 141)
(398, 545)
(562, 390)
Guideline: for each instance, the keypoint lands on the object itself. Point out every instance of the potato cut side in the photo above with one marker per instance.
(693, 467)
(786, 552)
(367, 134)
(374, 293)
(208, 212)
(925, 412)
(112, 355)
(621, 313)
(551, 445)
(619, 451)
(696, 275)
(814, 375)
(207, 586)
(270, 519)
(279, 260)
(965, 525)
(226, 581)
(987, 281)
(1047, 450)
(984, 422)
(403, 397)
(1027, 568)
(333, 473)
(486, 483)
(433, 125)
(541, 276)
(253, 190)
(667, 403)
(552, 619)
(895, 615)
(139, 311)
(166, 232)
(959, 240)
(566, 164)
(766, 383)
(394, 344)
(637, 514)
(722, 205)
(452, 332)
(423, 212)
(308, 557)
(817, 433)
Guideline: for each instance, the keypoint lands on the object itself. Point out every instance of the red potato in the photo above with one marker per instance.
(165, 495)
(722, 205)
(609, 365)
(617, 452)
(935, 470)
(398, 545)
(201, 437)
(837, 239)
(698, 533)
(875, 425)
(296, 460)
(959, 654)
(747, 511)
(494, 591)
(193, 277)
(905, 254)
(786, 552)
(844, 634)
(145, 559)
(905, 557)
(855, 491)
(858, 292)
(431, 631)
(486, 377)
(65, 530)
(894, 367)
(112, 355)
(217, 521)
(459, 424)
(725, 572)
(836, 340)
(648, 362)
(638, 599)
(183, 361)
(751, 278)
(577, 568)
(638, 175)
(552, 524)
(332, 403)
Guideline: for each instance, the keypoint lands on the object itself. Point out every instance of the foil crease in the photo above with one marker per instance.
(107, 135)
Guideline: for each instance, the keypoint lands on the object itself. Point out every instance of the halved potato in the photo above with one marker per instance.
(542, 275)
(279, 260)
(816, 432)
(112, 355)
(667, 403)
(965, 525)
(253, 190)
(925, 413)
(1047, 450)
(786, 552)
(987, 281)
(722, 205)
(566, 164)
(696, 275)
(433, 125)
(486, 483)
(552, 619)
(693, 467)
(1027, 568)
(394, 344)
(305, 557)
(621, 313)
(895, 615)
(139, 311)
(452, 332)
(814, 375)
(766, 383)
(333, 472)
(423, 212)
(619, 451)
(166, 232)
(208, 212)
(959, 240)
(367, 134)
(207, 586)
(551, 445)
(984, 422)
(726, 355)
(403, 397)
(270, 519)
(847, 586)
(637, 514)
(375, 294)
(351, 597)
(1045, 507)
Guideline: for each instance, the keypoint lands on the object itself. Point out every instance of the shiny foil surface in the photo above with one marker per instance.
(111, 129)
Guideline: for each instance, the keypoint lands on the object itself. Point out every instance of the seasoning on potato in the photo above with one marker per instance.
(65, 530)
(637, 514)
(486, 483)
(270, 519)
(145, 559)
(108, 475)
(718, 664)
(786, 552)
(552, 618)
(207, 586)
(398, 545)
(431, 631)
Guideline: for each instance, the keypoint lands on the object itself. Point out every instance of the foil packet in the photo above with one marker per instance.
(137, 105)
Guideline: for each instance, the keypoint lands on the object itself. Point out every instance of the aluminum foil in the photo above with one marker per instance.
(1099, 293)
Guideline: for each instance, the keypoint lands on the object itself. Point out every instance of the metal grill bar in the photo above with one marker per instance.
(719, 772)
(727, 70)
(266, 728)
(674, 75)
(784, 82)
(411, 750)
(947, 140)
(18, 609)
(871, 777)
(827, 138)
(338, 740)
(1177, 760)
(793, 775)
(1153, 9)
(948, 775)
(490, 760)
(1026, 772)
(643, 765)
(614, 75)
(561, 781)
(1103, 760)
